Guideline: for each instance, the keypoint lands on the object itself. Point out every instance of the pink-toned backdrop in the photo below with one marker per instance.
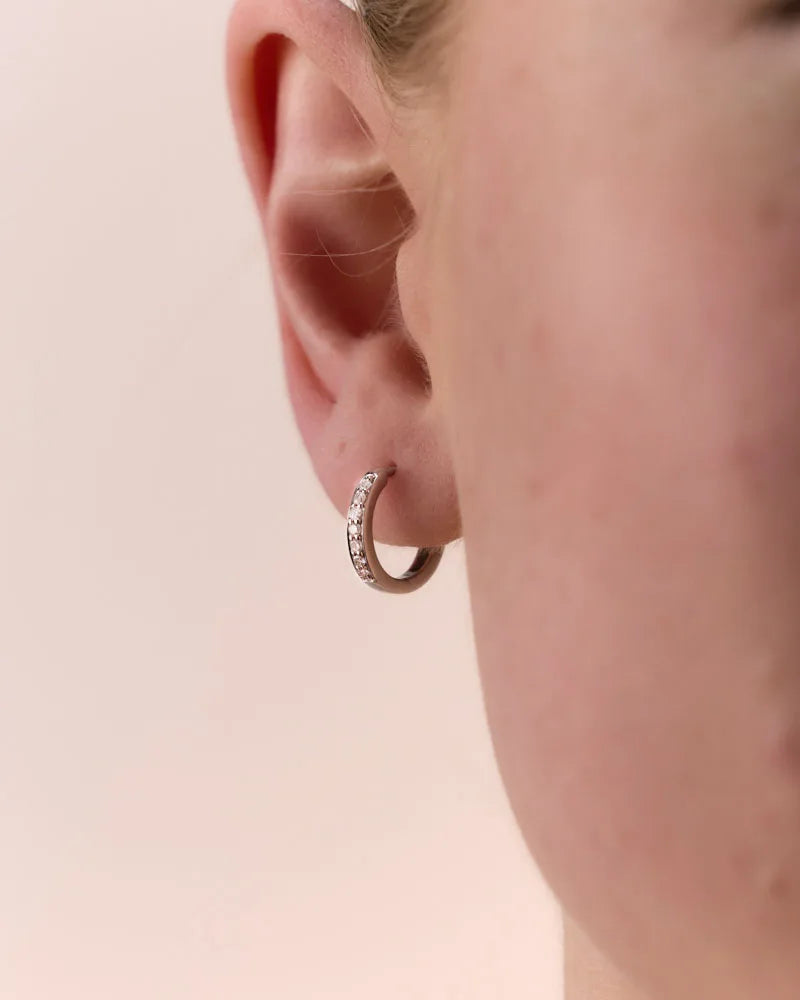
(226, 770)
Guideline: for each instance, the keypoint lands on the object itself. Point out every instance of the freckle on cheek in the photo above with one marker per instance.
(771, 211)
(785, 746)
(773, 884)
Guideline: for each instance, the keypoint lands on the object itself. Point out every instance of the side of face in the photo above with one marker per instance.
(616, 316)
(565, 300)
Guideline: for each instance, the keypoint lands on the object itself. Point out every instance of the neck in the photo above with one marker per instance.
(588, 973)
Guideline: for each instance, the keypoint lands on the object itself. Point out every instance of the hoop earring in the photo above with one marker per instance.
(361, 544)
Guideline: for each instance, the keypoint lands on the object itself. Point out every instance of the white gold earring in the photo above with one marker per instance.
(361, 544)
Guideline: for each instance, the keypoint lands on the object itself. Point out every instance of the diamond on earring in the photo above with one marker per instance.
(361, 545)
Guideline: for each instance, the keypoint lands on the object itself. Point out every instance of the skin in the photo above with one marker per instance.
(594, 375)
(588, 972)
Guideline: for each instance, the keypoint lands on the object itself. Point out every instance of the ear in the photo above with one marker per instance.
(321, 152)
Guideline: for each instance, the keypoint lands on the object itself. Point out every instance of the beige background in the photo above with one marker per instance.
(226, 769)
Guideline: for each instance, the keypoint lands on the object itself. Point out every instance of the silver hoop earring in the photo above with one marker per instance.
(361, 544)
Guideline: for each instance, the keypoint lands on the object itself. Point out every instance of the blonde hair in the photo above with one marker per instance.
(406, 38)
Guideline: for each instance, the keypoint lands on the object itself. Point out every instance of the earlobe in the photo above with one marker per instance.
(335, 216)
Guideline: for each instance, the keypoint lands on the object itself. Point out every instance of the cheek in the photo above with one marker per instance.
(632, 485)
(625, 366)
